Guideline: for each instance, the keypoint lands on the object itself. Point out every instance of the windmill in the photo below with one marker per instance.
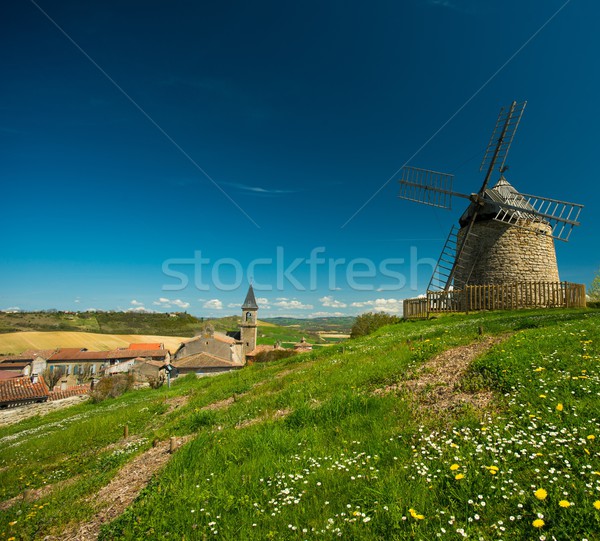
(504, 235)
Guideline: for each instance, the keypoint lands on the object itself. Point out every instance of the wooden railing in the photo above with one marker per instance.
(498, 297)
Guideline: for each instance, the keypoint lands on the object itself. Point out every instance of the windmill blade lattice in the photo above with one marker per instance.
(427, 187)
(503, 135)
(522, 208)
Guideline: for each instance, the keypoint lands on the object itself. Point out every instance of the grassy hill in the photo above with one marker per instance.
(101, 322)
(129, 323)
(334, 324)
(484, 426)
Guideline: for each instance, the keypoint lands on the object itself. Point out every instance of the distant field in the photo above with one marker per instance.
(18, 342)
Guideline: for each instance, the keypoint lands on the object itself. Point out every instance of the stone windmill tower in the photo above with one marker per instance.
(504, 236)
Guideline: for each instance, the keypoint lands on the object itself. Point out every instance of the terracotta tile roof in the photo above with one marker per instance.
(76, 390)
(146, 346)
(8, 374)
(204, 360)
(260, 349)
(133, 353)
(70, 354)
(43, 353)
(74, 354)
(13, 365)
(17, 391)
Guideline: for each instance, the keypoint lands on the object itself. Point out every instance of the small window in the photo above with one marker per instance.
(76, 370)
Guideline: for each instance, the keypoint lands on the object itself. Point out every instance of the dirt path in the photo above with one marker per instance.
(115, 497)
(436, 385)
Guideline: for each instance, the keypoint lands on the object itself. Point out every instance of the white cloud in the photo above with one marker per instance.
(12, 309)
(77, 300)
(263, 302)
(233, 305)
(392, 306)
(141, 309)
(214, 304)
(163, 302)
(330, 302)
(136, 303)
(326, 314)
(293, 305)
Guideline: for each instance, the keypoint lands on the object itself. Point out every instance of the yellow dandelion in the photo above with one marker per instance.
(415, 515)
(540, 494)
(454, 467)
(538, 523)
(12, 523)
(564, 503)
(11, 539)
(597, 505)
(539, 369)
(559, 407)
(542, 396)
(591, 437)
(459, 476)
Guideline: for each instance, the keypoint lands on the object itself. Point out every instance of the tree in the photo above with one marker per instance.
(52, 377)
(370, 322)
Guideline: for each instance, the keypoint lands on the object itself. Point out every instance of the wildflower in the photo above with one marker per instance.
(12, 523)
(415, 515)
(559, 407)
(540, 494)
(597, 505)
(366, 519)
(591, 437)
(538, 523)
(564, 503)
(459, 476)
(454, 467)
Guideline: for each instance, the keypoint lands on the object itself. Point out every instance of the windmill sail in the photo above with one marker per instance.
(502, 137)
(520, 208)
(427, 187)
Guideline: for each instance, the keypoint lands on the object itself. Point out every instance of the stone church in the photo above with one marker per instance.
(213, 352)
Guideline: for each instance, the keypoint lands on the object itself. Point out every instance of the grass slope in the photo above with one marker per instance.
(307, 450)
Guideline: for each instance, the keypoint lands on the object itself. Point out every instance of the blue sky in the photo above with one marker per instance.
(200, 145)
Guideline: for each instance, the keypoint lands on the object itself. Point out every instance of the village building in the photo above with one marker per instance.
(303, 345)
(213, 352)
(78, 365)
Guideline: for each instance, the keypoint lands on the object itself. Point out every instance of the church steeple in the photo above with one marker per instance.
(248, 331)
(250, 302)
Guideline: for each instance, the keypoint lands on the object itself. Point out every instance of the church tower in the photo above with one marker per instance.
(248, 329)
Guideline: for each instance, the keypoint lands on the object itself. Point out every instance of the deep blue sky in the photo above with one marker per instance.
(300, 112)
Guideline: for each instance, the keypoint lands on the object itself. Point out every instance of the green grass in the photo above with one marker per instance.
(308, 451)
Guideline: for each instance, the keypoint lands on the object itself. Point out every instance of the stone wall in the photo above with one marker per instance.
(500, 253)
